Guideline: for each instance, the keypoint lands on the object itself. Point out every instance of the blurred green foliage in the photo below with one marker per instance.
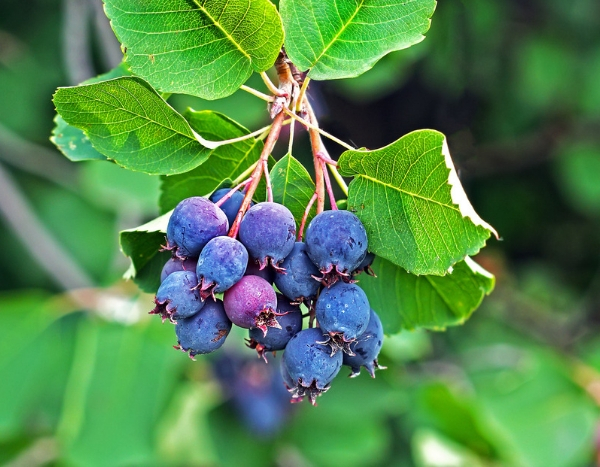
(514, 85)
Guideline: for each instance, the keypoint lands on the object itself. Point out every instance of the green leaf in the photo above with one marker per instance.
(406, 301)
(292, 187)
(204, 48)
(73, 142)
(225, 162)
(344, 38)
(412, 204)
(142, 246)
(126, 120)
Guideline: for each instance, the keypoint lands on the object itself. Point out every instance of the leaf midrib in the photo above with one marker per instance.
(379, 182)
(339, 33)
(117, 108)
(227, 35)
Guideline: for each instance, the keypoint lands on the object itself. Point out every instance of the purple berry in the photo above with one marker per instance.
(310, 365)
(366, 348)
(205, 331)
(251, 303)
(194, 222)
(298, 283)
(268, 230)
(232, 205)
(221, 264)
(365, 266)
(336, 241)
(342, 311)
(277, 338)
(178, 297)
(175, 264)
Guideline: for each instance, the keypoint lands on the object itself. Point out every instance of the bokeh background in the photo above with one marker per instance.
(87, 379)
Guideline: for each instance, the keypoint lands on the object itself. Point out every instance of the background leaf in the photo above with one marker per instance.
(342, 39)
(293, 187)
(406, 301)
(225, 162)
(204, 48)
(412, 204)
(126, 120)
(142, 246)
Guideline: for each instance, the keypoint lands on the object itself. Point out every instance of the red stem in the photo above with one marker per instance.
(317, 147)
(305, 216)
(231, 192)
(258, 171)
(328, 185)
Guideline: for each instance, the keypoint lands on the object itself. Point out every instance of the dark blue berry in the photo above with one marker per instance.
(178, 297)
(176, 264)
(221, 264)
(267, 273)
(342, 311)
(366, 348)
(277, 338)
(205, 331)
(365, 266)
(232, 205)
(336, 241)
(193, 223)
(310, 365)
(268, 230)
(251, 303)
(298, 283)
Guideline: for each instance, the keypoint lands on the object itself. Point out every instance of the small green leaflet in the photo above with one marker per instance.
(344, 38)
(199, 47)
(292, 187)
(73, 142)
(225, 162)
(412, 204)
(142, 245)
(406, 301)
(126, 120)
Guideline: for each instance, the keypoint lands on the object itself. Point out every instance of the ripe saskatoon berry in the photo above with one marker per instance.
(193, 223)
(366, 348)
(343, 313)
(177, 296)
(175, 264)
(298, 283)
(251, 303)
(336, 241)
(290, 320)
(221, 264)
(310, 365)
(205, 331)
(268, 230)
(267, 273)
(232, 205)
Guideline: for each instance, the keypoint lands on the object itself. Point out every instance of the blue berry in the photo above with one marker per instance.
(310, 365)
(298, 283)
(343, 312)
(193, 223)
(221, 264)
(365, 266)
(366, 348)
(178, 297)
(205, 331)
(232, 205)
(175, 264)
(251, 303)
(290, 320)
(336, 241)
(268, 230)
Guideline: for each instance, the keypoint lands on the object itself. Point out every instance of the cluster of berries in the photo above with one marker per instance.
(317, 273)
